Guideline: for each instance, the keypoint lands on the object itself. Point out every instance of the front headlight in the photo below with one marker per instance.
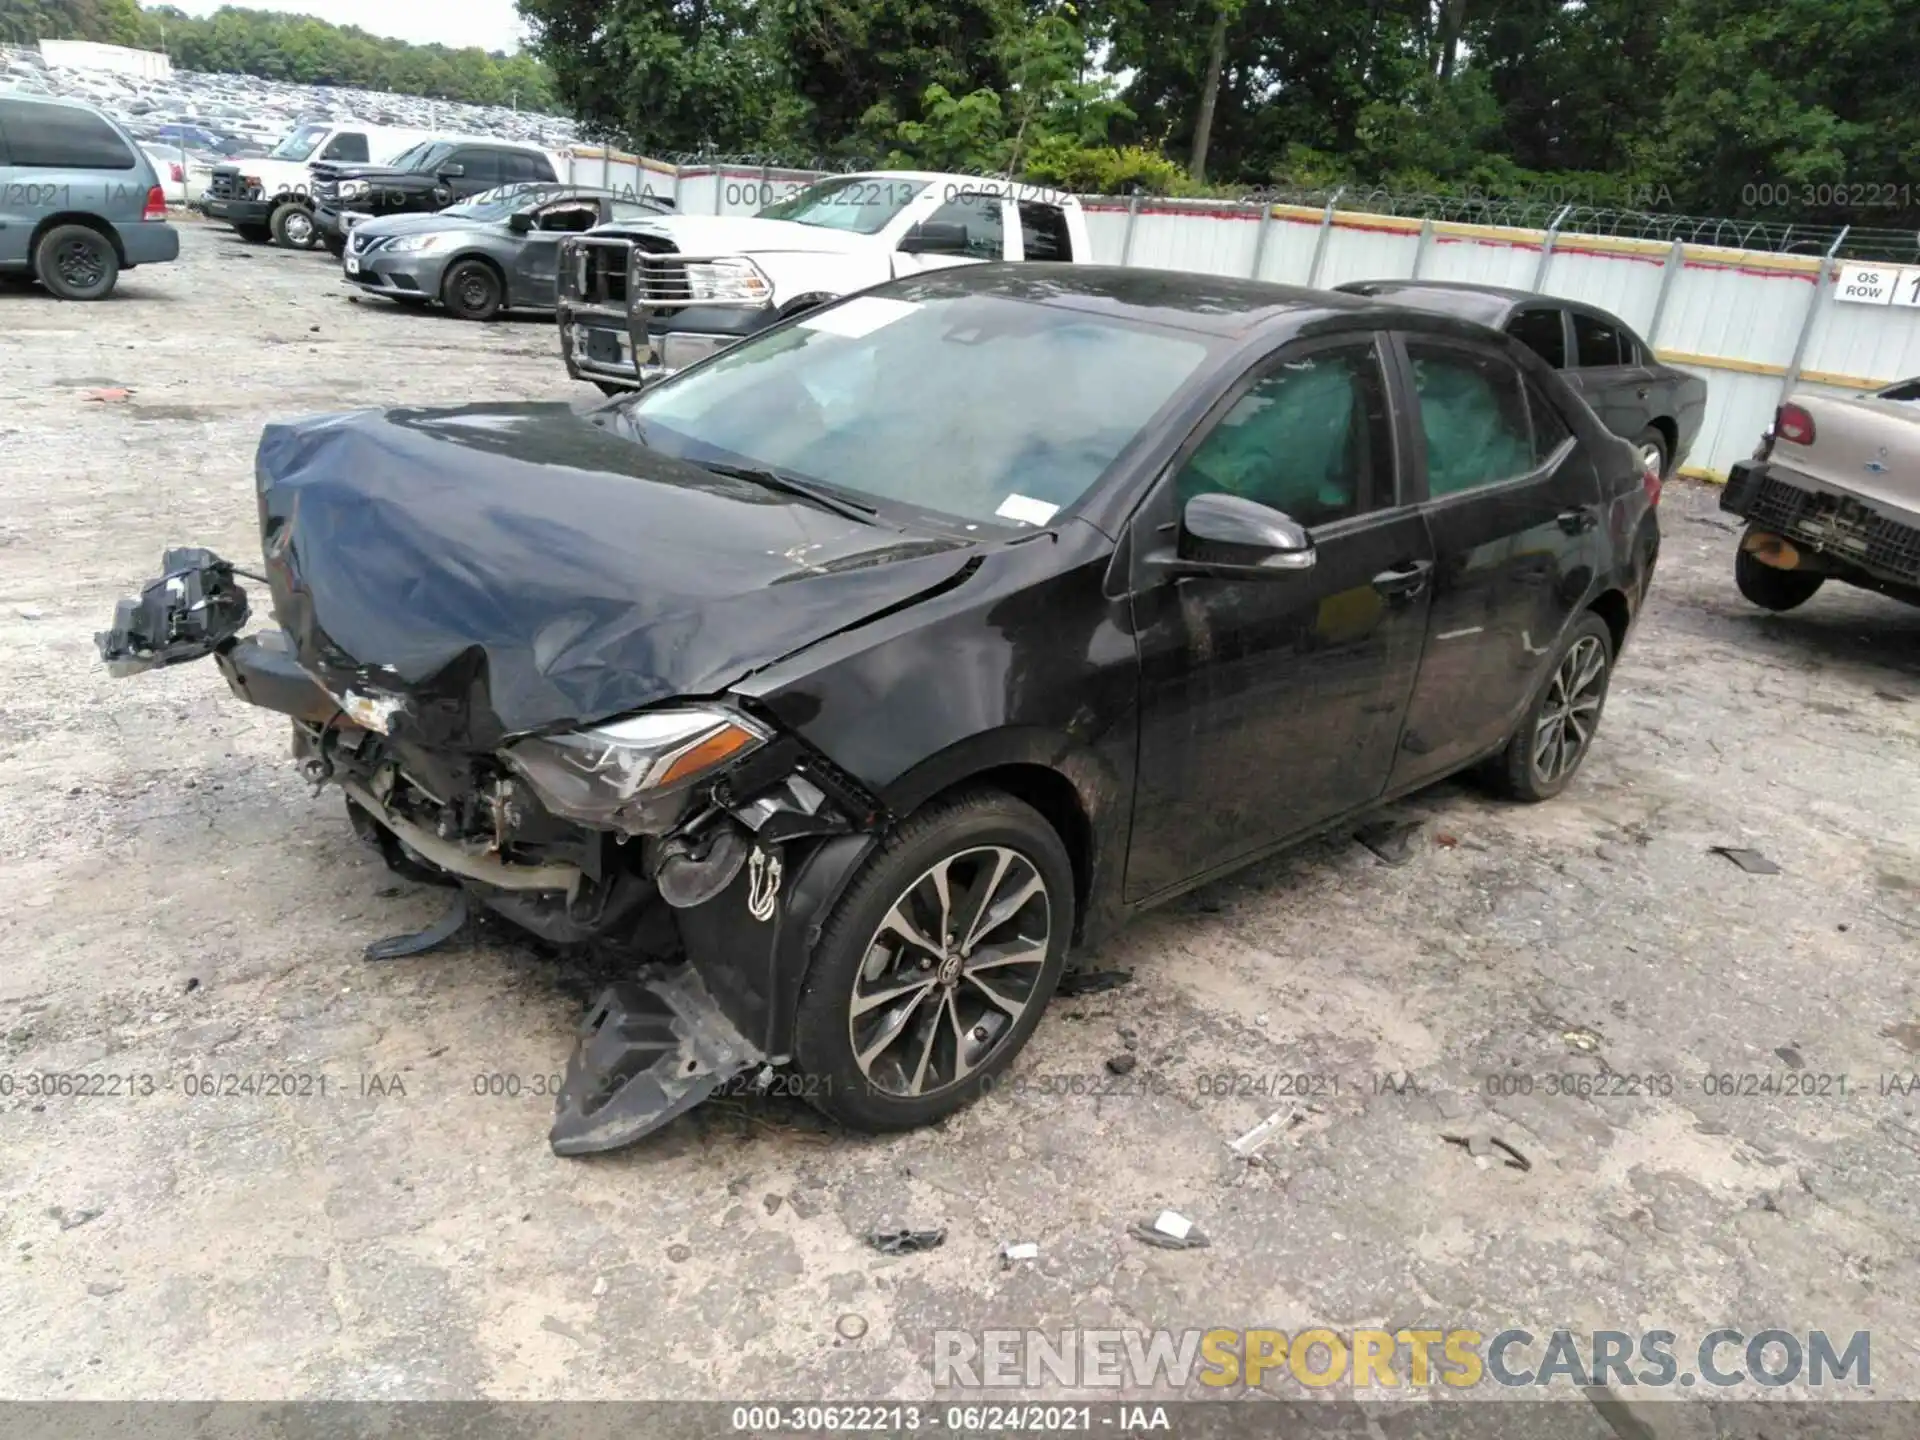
(735, 278)
(634, 774)
(413, 244)
(353, 189)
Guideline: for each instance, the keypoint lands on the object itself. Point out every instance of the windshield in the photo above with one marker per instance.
(860, 203)
(404, 160)
(299, 144)
(993, 410)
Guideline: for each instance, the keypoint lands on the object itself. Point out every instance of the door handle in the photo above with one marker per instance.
(1406, 580)
(1642, 393)
(1578, 521)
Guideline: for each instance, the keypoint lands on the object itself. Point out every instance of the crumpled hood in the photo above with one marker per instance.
(518, 568)
(746, 234)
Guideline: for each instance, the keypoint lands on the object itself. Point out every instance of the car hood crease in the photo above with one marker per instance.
(511, 569)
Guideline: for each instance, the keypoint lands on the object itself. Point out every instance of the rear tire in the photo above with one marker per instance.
(292, 226)
(336, 246)
(1556, 733)
(76, 262)
(957, 1015)
(1770, 587)
(1652, 446)
(472, 290)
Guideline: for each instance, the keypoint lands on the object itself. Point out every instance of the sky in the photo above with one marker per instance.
(490, 24)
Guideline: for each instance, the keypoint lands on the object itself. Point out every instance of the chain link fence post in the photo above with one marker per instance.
(1828, 270)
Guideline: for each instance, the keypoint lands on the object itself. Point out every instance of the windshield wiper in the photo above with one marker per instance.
(793, 485)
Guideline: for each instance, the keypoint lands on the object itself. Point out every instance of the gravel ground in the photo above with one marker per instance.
(174, 904)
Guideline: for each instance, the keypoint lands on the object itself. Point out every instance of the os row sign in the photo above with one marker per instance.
(1879, 285)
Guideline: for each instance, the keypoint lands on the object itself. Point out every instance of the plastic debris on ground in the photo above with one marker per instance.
(1483, 1149)
(1391, 841)
(1751, 861)
(1091, 982)
(907, 1242)
(1169, 1230)
(1013, 1254)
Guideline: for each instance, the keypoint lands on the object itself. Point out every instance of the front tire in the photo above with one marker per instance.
(472, 290)
(1770, 587)
(254, 234)
(292, 226)
(936, 964)
(1558, 729)
(75, 262)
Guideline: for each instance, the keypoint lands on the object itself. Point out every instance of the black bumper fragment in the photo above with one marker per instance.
(648, 1051)
(193, 609)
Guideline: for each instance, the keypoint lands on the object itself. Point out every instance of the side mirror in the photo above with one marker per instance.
(520, 222)
(1230, 537)
(452, 172)
(935, 237)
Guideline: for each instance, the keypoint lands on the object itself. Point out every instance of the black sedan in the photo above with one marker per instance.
(1652, 404)
(851, 677)
(496, 251)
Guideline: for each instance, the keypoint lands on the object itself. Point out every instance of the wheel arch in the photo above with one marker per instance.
(82, 218)
(1613, 607)
(1070, 787)
(1669, 430)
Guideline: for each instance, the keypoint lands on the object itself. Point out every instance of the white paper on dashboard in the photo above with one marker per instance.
(1027, 510)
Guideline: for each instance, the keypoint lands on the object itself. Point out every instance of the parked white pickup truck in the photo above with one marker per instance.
(640, 299)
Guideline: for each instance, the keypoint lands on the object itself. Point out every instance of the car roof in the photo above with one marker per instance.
(1214, 304)
(1488, 304)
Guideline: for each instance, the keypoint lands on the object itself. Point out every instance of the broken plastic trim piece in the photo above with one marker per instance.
(648, 1052)
(193, 609)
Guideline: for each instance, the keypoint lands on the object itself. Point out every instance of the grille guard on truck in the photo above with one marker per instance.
(650, 284)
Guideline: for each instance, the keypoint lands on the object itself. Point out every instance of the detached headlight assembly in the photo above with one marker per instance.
(634, 775)
(736, 280)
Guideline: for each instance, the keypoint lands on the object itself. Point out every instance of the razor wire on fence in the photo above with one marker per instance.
(1549, 211)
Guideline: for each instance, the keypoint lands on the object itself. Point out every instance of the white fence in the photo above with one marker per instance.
(1752, 324)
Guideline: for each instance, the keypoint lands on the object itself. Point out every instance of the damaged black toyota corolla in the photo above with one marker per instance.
(852, 675)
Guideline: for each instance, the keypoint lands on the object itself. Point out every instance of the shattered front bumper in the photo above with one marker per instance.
(652, 1046)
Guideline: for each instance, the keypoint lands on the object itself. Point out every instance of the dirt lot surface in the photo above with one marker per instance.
(175, 907)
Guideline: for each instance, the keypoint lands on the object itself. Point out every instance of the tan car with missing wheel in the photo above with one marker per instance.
(1832, 493)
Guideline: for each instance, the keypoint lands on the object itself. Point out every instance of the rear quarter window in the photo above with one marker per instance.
(1043, 232)
(59, 137)
(1598, 344)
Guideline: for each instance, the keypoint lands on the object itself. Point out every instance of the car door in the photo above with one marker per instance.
(1513, 511)
(470, 171)
(537, 266)
(981, 214)
(1268, 706)
(15, 224)
(1606, 373)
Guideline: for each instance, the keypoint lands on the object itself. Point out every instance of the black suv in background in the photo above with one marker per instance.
(431, 176)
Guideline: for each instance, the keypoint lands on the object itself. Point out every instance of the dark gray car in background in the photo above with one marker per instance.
(1656, 406)
(497, 251)
(79, 199)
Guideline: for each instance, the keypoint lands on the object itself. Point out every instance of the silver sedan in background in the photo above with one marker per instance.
(497, 251)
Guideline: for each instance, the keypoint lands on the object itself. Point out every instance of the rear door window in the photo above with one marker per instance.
(1043, 232)
(1473, 412)
(1598, 344)
(349, 147)
(525, 165)
(60, 137)
(1543, 331)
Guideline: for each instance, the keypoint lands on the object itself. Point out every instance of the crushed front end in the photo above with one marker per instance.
(693, 837)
